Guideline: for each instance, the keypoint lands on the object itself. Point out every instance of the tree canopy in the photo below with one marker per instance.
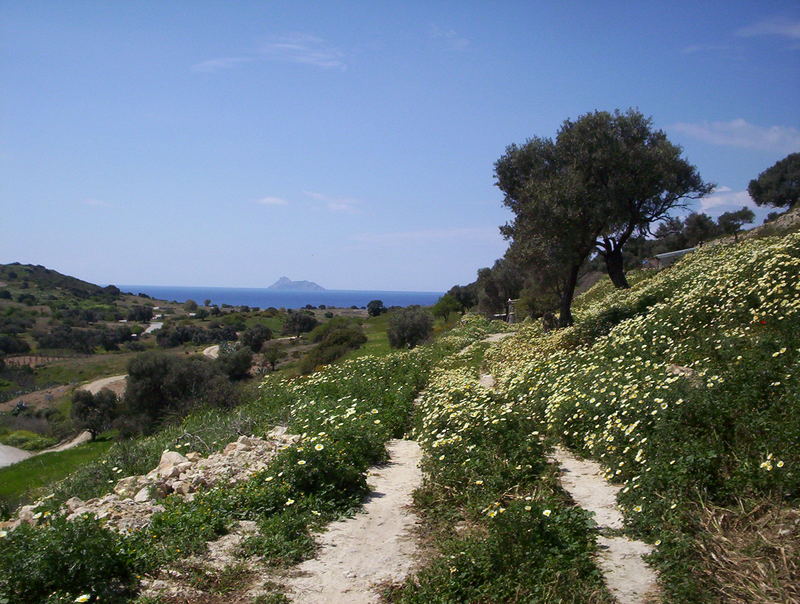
(778, 185)
(606, 177)
(409, 327)
(375, 308)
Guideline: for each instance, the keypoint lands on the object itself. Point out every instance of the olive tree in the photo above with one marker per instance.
(605, 178)
(409, 327)
(778, 185)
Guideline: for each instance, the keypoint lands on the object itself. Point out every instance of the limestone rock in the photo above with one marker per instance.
(143, 495)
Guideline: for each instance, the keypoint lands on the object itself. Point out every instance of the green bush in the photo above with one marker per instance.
(62, 560)
(409, 327)
(29, 441)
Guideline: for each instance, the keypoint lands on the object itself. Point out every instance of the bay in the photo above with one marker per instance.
(265, 298)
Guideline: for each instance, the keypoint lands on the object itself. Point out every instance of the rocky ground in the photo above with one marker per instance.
(136, 498)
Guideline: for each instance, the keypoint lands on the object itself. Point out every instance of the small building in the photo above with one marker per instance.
(512, 311)
(667, 258)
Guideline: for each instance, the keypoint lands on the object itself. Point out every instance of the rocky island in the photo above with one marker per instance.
(286, 284)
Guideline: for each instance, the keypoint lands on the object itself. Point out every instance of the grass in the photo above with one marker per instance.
(83, 369)
(375, 328)
(346, 411)
(377, 341)
(27, 440)
(22, 479)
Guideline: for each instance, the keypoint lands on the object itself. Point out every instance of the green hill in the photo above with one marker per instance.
(29, 276)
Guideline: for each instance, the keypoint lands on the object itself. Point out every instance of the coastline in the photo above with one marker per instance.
(265, 298)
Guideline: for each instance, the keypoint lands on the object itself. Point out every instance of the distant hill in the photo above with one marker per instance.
(27, 275)
(286, 284)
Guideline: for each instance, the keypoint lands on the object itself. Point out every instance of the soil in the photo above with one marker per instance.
(37, 398)
(628, 576)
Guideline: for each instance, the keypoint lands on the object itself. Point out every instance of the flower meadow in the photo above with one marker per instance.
(686, 388)
(502, 528)
(344, 413)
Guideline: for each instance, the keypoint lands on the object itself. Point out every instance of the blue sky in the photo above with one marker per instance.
(349, 143)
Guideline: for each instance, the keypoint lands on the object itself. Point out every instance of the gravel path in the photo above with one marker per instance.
(374, 546)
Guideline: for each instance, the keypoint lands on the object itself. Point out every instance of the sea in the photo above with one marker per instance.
(265, 298)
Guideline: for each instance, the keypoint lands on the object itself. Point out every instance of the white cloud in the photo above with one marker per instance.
(740, 133)
(303, 48)
(97, 203)
(272, 201)
(214, 65)
(774, 26)
(291, 48)
(335, 204)
(450, 38)
(725, 199)
(430, 235)
(695, 48)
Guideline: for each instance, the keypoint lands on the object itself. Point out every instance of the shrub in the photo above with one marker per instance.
(254, 337)
(375, 308)
(94, 412)
(159, 383)
(71, 559)
(409, 327)
(299, 322)
(237, 363)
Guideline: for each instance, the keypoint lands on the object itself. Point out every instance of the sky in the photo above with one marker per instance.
(349, 143)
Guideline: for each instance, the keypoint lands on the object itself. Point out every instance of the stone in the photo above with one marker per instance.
(73, 503)
(26, 514)
(127, 487)
(143, 495)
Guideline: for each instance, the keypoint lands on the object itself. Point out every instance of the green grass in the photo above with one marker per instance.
(84, 368)
(27, 440)
(21, 479)
(377, 340)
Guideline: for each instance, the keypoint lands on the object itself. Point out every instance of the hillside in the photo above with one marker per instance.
(25, 276)
(685, 389)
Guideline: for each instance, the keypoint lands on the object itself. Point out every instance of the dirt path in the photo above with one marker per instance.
(629, 578)
(374, 546)
(11, 455)
(115, 383)
(154, 326)
(496, 337)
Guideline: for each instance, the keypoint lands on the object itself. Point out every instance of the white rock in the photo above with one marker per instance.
(143, 495)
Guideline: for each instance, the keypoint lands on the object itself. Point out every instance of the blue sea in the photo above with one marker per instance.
(264, 298)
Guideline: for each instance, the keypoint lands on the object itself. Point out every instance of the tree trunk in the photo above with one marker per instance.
(565, 316)
(616, 267)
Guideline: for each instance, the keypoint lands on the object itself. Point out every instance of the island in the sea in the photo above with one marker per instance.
(286, 284)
